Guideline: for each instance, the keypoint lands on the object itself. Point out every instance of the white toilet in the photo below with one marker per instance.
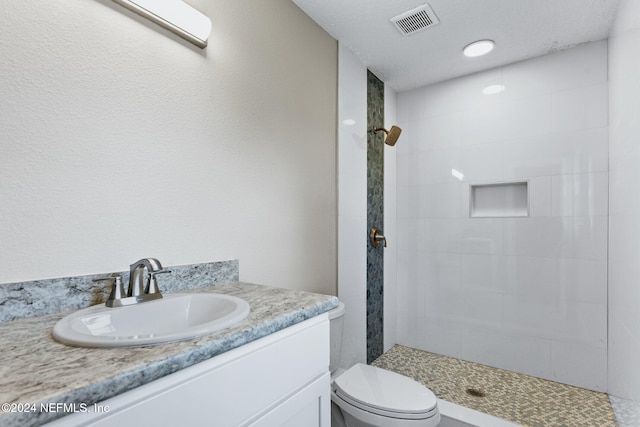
(366, 396)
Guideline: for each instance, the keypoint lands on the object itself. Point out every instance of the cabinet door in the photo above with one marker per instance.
(230, 390)
(309, 407)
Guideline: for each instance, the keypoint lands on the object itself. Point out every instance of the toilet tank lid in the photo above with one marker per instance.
(386, 390)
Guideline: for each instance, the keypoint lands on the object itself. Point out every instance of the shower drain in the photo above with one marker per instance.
(475, 392)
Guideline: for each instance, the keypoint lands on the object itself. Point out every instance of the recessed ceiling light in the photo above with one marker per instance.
(478, 48)
(493, 89)
(457, 174)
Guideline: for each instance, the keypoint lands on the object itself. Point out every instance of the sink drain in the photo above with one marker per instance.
(475, 392)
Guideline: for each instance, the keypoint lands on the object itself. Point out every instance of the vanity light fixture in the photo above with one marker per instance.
(174, 15)
(493, 89)
(478, 48)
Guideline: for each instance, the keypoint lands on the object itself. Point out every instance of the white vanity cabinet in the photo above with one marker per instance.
(279, 380)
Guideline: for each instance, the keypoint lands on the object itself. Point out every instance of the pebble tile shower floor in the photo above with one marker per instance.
(527, 400)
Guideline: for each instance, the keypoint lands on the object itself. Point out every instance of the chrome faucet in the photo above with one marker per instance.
(137, 291)
(136, 273)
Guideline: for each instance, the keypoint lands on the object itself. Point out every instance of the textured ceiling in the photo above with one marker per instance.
(522, 29)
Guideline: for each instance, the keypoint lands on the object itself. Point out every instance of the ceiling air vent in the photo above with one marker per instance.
(415, 20)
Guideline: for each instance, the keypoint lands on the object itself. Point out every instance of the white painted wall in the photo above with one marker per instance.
(624, 203)
(352, 205)
(524, 294)
(119, 141)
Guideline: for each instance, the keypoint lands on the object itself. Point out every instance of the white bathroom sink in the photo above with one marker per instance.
(174, 317)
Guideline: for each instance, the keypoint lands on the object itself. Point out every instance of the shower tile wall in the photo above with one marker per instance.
(624, 238)
(390, 223)
(524, 294)
(375, 217)
(352, 205)
(352, 209)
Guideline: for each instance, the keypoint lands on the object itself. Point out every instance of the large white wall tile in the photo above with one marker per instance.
(438, 131)
(524, 354)
(538, 156)
(390, 225)
(623, 109)
(439, 235)
(483, 272)
(352, 148)
(579, 364)
(556, 279)
(481, 162)
(465, 307)
(540, 196)
(413, 104)
(352, 204)
(528, 116)
(354, 343)
(413, 297)
(590, 150)
(581, 280)
(482, 125)
(433, 166)
(627, 18)
(556, 320)
(590, 237)
(465, 93)
(626, 312)
(624, 371)
(533, 277)
(402, 168)
(351, 234)
(352, 196)
(581, 108)
(557, 153)
(556, 72)
(623, 50)
(539, 237)
(430, 333)
(406, 103)
(402, 204)
(527, 294)
(439, 200)
(624, 268)
(439, 271)
(481, 236)
(562, 195)
(623, 200)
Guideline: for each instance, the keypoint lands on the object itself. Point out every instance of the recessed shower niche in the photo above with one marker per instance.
(499, 200)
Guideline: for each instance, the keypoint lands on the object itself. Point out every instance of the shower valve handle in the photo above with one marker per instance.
(376, 236)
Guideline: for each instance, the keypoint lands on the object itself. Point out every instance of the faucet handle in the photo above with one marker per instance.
(117, 289)
(376, 236)
(152, 282)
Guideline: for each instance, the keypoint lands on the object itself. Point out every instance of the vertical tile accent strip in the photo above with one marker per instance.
(375, 216)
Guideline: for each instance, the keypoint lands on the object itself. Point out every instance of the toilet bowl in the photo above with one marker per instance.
(367, 396)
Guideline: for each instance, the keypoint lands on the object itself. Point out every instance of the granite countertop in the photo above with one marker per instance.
(35, 369)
